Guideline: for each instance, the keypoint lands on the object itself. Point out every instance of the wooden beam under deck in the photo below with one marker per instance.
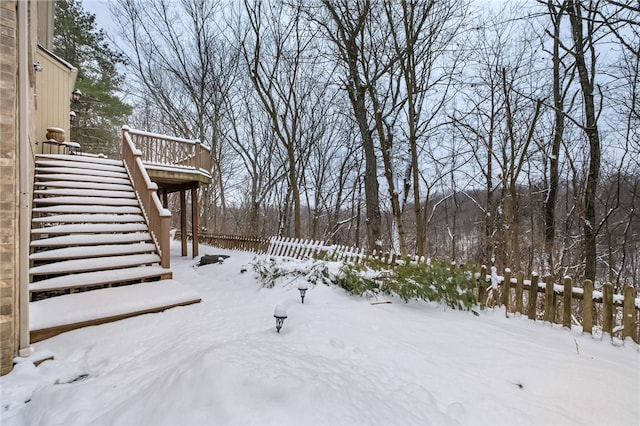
(177, 179)
(176, 187)
(177, 176)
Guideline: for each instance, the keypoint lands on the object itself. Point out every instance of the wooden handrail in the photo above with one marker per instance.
(158, 218)
(171, 151)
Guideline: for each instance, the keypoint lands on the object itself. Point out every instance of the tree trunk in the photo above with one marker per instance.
(558, 132)
(347, 42)
(591, 130)
(384, 134)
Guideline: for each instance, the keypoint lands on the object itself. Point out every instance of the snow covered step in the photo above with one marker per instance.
(90, 239)
(88, 200)
(80, 158)
(93, 251)
(81, 165)
(80, 178)
(87, 279)
(84, 193)
(74, 208)
(77, 171)
(90, 228)
(83, 185)
(88, 265)
(90, 218)
(56, 315)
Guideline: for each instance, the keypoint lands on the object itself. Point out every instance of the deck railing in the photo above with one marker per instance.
(166, 150)
(158, 218)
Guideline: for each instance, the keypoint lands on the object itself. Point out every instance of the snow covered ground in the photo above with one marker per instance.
(337, 360)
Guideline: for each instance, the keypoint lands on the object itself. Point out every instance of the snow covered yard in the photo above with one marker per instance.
(337, 360)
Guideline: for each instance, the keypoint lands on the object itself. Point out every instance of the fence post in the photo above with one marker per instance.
(519, 283)
(533, 296)
(506, 289)
(587, 307)
(629, 314)
(607, 309)
(567, 295)
(550, 300)
(482, 282)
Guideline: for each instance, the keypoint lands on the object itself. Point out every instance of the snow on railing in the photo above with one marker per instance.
(158, 218)
(166, 150)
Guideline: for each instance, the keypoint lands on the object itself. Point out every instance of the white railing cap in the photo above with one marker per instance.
(161, 136)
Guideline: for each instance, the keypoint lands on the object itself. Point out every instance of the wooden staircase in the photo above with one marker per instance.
(88, 230)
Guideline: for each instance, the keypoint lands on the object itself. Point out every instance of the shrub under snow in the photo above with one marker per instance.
(433, 281)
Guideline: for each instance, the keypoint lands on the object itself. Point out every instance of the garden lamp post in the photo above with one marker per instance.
(303, 287)
(280, 315)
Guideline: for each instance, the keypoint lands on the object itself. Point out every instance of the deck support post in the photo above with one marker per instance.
(183, 222)
(194, 222)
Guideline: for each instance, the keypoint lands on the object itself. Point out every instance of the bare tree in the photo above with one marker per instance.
(622, 19)
(584, 52)
(562, 79)
(183, 68)
(424, 82)
(276, 49)
(345, 27)
(253, 140)
(500, 121)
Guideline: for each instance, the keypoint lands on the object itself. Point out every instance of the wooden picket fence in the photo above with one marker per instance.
(539, 298)
(292, 248)
(306, 249)
(556, 302)
(258, 245)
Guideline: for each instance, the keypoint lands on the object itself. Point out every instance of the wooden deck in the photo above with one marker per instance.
(171, 161)
(176, 176)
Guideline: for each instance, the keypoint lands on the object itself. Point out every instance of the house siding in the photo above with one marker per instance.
(8, 185)
(54, 87)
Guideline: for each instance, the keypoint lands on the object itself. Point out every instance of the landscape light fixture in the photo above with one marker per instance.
(76, 95)
(302, 287)
(280, 315)
(72, 116)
